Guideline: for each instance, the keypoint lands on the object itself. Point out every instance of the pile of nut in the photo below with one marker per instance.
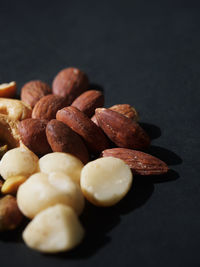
(49, 140)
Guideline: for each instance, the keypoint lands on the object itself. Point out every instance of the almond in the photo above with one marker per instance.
(126, 110)
(82, 125)
(70, 83)
(62, 139)
(47, 107)
(32, 91)
(121, 130)
(88, 101)
(33, 135)
(140, 163)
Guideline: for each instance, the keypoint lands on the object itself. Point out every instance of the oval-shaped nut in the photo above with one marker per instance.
(32, 91)
(8, 89)
(41, 191)
(47, 107)
(33, 135)
(61, 162)
(93, 136)
(10, 186)
(15, 109)
(126, 110)
(10, 215)
(70, 83)
(62, 139)
(18, 161)
(140, 163)
(123, 131)
(105, 181)
(88, 101)
(54, 230)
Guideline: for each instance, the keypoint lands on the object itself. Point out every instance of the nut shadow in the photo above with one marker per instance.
(152, 130)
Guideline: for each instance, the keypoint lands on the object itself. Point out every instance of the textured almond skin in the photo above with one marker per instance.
(121, 130)
(93, 136)
(63, 139)
(70, 83)
(33, 135)
(140, 163)
(47, 107)
(88, 101)
(126, 110)
(32, 91)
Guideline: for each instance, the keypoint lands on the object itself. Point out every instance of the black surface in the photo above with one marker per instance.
(142, 53)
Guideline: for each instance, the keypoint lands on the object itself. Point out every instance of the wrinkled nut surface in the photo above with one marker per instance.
(32, 91)
(126, 110)
(11, 185)
(70, 83)
(93, 136)
(8, 89)
(54, 230)
(47, 107)
(140, 163)
(33, 135)
(41, 191)
(61, 162)
(18, 161)
(123, 131)
(88, 101)
(62, 139)
(10, 215)
(105, 181)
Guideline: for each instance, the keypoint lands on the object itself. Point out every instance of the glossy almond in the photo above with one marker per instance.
(93, 136)
(32, 91)
(63, 139)
(88, 101)
(140, 163)
(121, 130)
(70, 83)
(47, 107)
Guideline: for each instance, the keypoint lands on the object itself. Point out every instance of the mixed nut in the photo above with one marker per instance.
(48, 140)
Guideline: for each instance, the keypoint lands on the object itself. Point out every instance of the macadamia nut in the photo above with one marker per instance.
(105, 181)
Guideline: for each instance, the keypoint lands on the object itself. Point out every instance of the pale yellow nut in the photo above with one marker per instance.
(11, 185)
(53, 230)
(61, 162)
(41, 191)
(105, 181)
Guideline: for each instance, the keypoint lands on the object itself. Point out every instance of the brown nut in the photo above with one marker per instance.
(47, 107)
(121, 130)
(126, 110)
(70, 83)
(88, 101)
(140, 163)
(10, 215)
(62, 139)
(32, 91)
(33, 135)
(82, 125)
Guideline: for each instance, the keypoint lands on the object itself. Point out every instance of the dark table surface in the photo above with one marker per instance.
(138, 52)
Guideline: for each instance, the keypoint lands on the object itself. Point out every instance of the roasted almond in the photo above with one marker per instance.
(140, 163)
(88, 101)
(121, 130)
(63, 139)
(126, 110)
(82, 125)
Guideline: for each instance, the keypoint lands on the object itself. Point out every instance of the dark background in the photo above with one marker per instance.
(147, 54)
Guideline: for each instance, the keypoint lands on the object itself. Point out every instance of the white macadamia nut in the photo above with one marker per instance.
(53, 230)
(61, 162)
(18, 161)
(105, 181)
(41, 191)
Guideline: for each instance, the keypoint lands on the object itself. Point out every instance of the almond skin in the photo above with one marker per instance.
(126, 110)
(32, 91)
(93, 136)
(70, 83)
(140, 163)
(63, 139)
(33, 135)
(47, 107)
(88, 101)
(121, 130)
